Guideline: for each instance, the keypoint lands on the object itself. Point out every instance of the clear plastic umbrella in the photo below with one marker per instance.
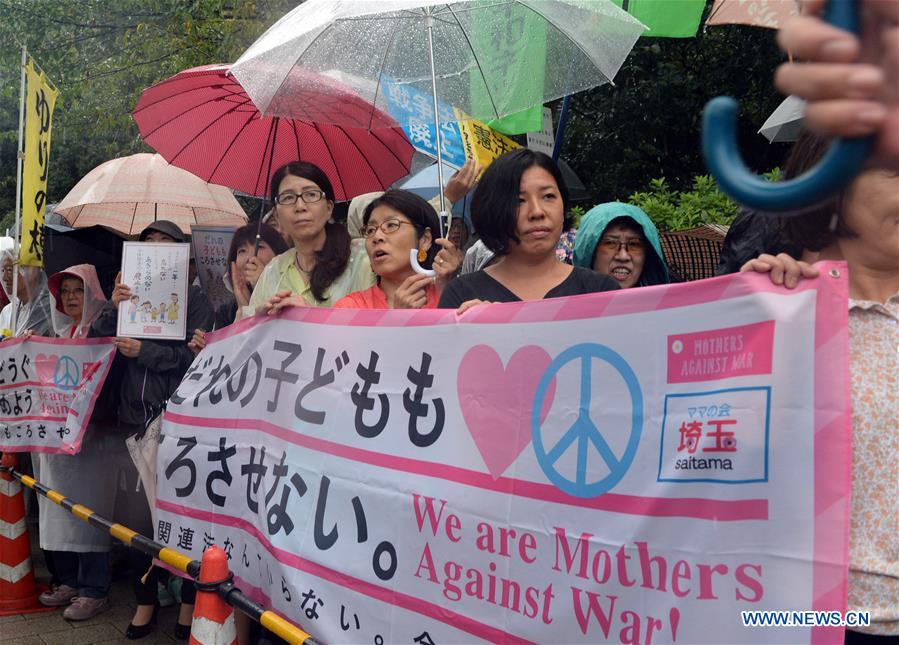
(785, 123)
(487, 58)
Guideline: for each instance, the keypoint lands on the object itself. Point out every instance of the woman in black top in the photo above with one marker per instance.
(518, 209)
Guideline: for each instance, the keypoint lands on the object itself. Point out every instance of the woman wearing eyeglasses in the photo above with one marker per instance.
(393, 225)
(621, 241)
(324, 265)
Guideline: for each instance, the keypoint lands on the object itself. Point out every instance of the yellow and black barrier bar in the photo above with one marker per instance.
(226, 589)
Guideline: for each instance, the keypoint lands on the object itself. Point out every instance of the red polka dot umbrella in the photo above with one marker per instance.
(202, 120)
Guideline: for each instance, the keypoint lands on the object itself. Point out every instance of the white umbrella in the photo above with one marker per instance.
(785, 123)
(487, 58)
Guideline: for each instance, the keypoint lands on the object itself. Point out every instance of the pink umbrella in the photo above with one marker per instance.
(202, 120)
(129, 193)
(759, 13)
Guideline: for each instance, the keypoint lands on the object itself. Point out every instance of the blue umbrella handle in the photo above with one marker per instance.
(839, 166)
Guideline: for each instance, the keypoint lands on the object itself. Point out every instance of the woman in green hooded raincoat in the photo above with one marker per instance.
(621, 241)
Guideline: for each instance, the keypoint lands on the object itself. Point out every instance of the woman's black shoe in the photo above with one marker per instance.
(182, 632)
(133, 632)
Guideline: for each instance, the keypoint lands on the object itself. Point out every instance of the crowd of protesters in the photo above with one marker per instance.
(518, 210)
(519, 250)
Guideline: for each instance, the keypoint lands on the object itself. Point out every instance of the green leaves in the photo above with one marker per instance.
(674, 210)
(101, 54)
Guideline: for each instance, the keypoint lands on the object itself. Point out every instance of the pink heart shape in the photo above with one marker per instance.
(496, 402)
(46, 368)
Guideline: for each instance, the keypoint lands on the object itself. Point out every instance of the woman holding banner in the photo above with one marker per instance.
(518, 210)
(76, 552)
(393, 225)
(324, 264)
(861, 227)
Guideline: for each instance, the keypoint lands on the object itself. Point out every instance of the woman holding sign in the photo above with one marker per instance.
(518, 209)
(152, 370)
(76, 552)
(394, 224)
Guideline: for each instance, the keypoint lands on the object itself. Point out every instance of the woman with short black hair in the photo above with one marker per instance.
(518, 209)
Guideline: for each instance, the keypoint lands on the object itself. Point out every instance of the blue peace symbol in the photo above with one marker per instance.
(67, 374)
(583, 430)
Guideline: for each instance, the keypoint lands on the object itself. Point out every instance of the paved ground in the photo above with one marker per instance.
(50, 628)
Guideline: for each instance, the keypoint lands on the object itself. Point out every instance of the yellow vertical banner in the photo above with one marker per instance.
(40, 98)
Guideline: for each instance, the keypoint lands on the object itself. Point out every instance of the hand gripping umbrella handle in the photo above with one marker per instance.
(841, 163)
(420, 270)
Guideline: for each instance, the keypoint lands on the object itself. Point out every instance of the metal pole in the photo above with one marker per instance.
(20, 155)
(268, 179)
(560, 133)
(443, 210)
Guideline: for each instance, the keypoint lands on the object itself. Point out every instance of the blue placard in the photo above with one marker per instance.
(414, 111)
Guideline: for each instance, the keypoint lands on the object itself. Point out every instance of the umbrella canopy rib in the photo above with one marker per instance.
(480, 7)
(389, 149)
(297, 60)
(356, 146)
(231, 143)
(276, 123)
(396, 26)
(198, 134)
(330, 154)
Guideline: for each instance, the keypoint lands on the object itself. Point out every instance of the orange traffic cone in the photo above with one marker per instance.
(18, 591)
(213, 622)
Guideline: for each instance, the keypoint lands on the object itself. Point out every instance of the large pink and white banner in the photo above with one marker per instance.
(48, 388)
(637, 466)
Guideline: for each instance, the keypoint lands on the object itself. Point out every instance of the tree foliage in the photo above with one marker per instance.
(101, 54)
(648, 123)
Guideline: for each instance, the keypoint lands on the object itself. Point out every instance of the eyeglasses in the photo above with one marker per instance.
(634, 245)
(308, 196)
(388, 227)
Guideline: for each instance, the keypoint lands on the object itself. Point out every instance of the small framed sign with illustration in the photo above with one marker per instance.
(157, 274)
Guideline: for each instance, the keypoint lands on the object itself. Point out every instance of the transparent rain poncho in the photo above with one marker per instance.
(92, 297)
(33, 302)
(491, 57)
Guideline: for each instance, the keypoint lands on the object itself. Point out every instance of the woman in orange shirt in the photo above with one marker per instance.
(392, 225)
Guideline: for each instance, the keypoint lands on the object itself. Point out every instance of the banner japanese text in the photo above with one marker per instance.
(40, 99)
(210, 248)
(635, 466)
(48, 388)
